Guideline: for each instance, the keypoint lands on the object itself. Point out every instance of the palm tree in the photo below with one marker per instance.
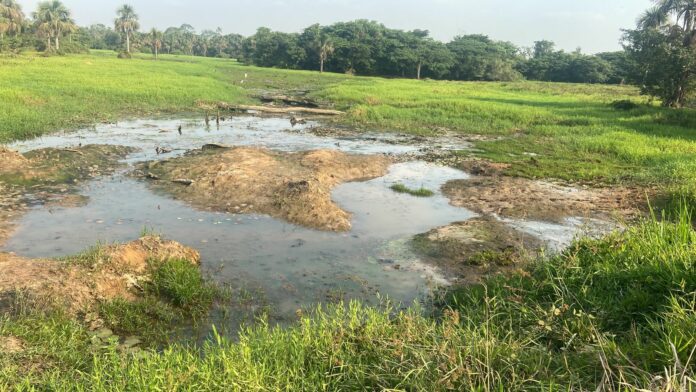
(53, 20)
(156, 41)
(325, 47)
(11, 18)
(684, 11)
(127, 23)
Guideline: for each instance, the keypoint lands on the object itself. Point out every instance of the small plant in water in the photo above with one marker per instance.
(421, 192)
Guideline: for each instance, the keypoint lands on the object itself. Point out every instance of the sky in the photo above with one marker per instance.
(593, 25)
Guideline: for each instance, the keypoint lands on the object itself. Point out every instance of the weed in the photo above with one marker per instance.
(421, 192)
(181, 283)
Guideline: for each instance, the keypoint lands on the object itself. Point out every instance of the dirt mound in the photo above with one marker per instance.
(538, 200)
(292, 186)
(104, 273)
(472, 249)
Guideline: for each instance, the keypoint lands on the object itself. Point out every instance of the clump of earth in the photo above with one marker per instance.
(78, 283)
(475, 248)
(295, 187)
(521, 198)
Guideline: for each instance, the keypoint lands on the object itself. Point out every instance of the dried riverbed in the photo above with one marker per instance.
(361, 247)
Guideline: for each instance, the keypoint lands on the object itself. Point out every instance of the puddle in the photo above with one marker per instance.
(274, 133)
(293, 267)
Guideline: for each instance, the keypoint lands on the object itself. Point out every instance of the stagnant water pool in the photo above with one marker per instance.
(290, 267)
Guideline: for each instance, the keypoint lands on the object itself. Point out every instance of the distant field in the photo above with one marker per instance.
(551, 130)
(40, 94)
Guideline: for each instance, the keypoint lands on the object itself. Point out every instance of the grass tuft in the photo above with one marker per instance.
(421, 192)
(181, 283)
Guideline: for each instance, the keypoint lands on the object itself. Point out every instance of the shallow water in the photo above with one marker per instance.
(290, 266)
(275, 133)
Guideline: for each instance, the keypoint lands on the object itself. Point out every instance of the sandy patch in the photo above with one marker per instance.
(291, 186)
(113, 272)
(522, 198)
(11, 345)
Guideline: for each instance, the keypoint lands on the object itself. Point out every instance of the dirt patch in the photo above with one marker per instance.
(11, 161)
(48, 176)
(545, 201)
(291, 186)
(77, 283)
(471, 249)
(11, 345)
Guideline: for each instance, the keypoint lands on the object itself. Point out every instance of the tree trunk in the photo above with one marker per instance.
(128, 43)
(321, 64)
(48, 44)
(420, 65)
(57, 43)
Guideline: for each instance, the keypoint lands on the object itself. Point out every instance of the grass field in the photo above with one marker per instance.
(617, 312)
(573, 130)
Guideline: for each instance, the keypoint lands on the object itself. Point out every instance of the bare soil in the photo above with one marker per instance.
(522, 198)
(11, 345)
(291, 186)
(115, 271)
(475, 248)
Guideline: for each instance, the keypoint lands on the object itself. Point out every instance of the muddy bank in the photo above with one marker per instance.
(521, 198)
(292, 186)
(104, 273)
(49, 176)
(474, 248)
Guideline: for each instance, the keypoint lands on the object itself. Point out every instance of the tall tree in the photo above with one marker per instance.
(664, 47)
(684, 11)
(11, 18)
(127, 23)
(155, 36)
(53, 20)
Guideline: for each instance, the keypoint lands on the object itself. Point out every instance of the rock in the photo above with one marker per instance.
(183, 181)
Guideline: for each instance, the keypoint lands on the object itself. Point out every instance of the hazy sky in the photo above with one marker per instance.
(593, 25)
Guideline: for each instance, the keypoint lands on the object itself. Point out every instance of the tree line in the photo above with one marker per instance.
(659, 55)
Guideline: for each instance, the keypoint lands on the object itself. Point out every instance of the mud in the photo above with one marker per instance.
(78, 283)
(521, 198)
(472, 249)
(295, 187)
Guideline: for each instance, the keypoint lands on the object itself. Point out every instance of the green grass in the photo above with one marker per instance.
(44, 94)
(575, 132)
(420, 192)
(618, 312)
(181, 283)
(176, 296)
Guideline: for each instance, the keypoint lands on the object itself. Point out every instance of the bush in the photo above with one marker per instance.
(624, 104)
